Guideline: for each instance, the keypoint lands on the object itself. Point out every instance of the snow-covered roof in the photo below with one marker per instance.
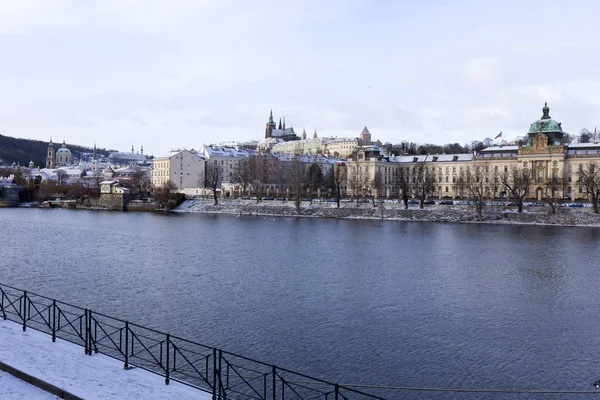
(222, 151)
(499, 149)
(578, 146)
(431, 158)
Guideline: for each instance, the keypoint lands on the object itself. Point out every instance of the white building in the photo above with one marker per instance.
(182, 167)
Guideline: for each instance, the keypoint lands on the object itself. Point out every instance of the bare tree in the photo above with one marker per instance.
(517, 183)
(298, 177)
(423, 184)
(403, 183)
(242, 174)
(315, 180)
(358, 181)
(140, 181)
(340, 172)
(214, 176)
(554, 188)
(478, 186)
(589, 178)
(256, 176)
(165, 196)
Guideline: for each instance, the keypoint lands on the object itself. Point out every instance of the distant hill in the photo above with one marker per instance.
(23, 151)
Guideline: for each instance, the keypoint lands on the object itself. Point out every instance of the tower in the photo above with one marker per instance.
(270, 126)
(50, 156)
(365, 137)
(94, 161)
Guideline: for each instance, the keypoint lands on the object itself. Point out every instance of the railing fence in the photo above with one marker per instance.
(223, 374)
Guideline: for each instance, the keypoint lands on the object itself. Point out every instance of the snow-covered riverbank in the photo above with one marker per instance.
(434, 213)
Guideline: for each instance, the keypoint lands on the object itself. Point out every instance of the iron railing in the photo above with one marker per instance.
(224, 374)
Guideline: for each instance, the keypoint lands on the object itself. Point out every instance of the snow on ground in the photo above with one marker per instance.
(12, 388)
(66, 366)
(395, 212)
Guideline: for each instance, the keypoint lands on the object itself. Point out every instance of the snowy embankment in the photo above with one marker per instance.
(12, 388)
(66, 366)
(431, 213)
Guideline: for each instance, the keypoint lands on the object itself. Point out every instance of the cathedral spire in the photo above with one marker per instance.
(283, 122)
(271, 122)
(279, 123)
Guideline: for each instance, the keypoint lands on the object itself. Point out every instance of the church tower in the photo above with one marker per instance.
(94, 160)
(50, 157)
(270, 126)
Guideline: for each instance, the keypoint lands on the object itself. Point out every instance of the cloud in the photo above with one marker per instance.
(186, 72)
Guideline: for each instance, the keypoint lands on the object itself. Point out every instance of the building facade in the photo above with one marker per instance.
(182, 168)
(541, 163)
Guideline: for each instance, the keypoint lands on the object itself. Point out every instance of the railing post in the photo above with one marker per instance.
(90, 340)
(221, 388)
(214, 392)
(2, 305)
(337, 392)
(274, 372)
(167, 369)
(126, 345)
(86, 332)
(54, 320)
(23, 313)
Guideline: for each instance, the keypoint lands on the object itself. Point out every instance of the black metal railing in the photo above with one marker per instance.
(223, 374)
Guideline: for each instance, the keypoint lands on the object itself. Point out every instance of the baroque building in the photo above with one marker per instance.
(542, 160)
(61, 158)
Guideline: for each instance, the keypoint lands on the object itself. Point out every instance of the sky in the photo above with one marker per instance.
(182, 73)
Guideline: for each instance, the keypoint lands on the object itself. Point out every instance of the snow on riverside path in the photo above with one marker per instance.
(66, 366)
(12, 388)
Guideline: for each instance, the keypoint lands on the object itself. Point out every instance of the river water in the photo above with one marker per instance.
(371, 302)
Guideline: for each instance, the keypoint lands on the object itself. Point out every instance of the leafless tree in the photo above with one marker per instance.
(298, 178)
(256, 176)
(423, 184)
(340, 173)
(165, 195)
(140, 182)
(242, 174)
(403, 183)
(554, 188)
(358, 180)
(517, 183)
(479, 186)
(214, 177)
(589, 178)
(315, 180)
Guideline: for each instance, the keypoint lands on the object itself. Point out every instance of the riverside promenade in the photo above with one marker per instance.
(65, 366)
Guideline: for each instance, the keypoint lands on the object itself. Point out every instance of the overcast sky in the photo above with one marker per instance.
(179, 73)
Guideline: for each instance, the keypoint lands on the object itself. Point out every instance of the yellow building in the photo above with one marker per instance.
(541, 163)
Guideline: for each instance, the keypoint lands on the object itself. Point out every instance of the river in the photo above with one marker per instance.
(371, 302)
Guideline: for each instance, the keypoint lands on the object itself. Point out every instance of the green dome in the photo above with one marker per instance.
(545, 124)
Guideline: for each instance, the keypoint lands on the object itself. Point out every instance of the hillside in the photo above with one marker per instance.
(23, 151)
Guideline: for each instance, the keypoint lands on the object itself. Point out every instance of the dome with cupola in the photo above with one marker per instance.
(547, 126)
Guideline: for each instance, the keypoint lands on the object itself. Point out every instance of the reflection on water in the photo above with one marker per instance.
(395, 303)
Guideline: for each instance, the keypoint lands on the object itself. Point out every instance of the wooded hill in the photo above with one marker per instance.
(22, 151)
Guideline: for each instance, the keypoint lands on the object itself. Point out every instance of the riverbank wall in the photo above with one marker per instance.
(396, 212)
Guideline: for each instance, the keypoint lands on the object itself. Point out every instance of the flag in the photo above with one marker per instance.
(498, 135)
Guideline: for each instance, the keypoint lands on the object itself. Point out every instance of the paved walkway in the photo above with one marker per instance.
(67, 367)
